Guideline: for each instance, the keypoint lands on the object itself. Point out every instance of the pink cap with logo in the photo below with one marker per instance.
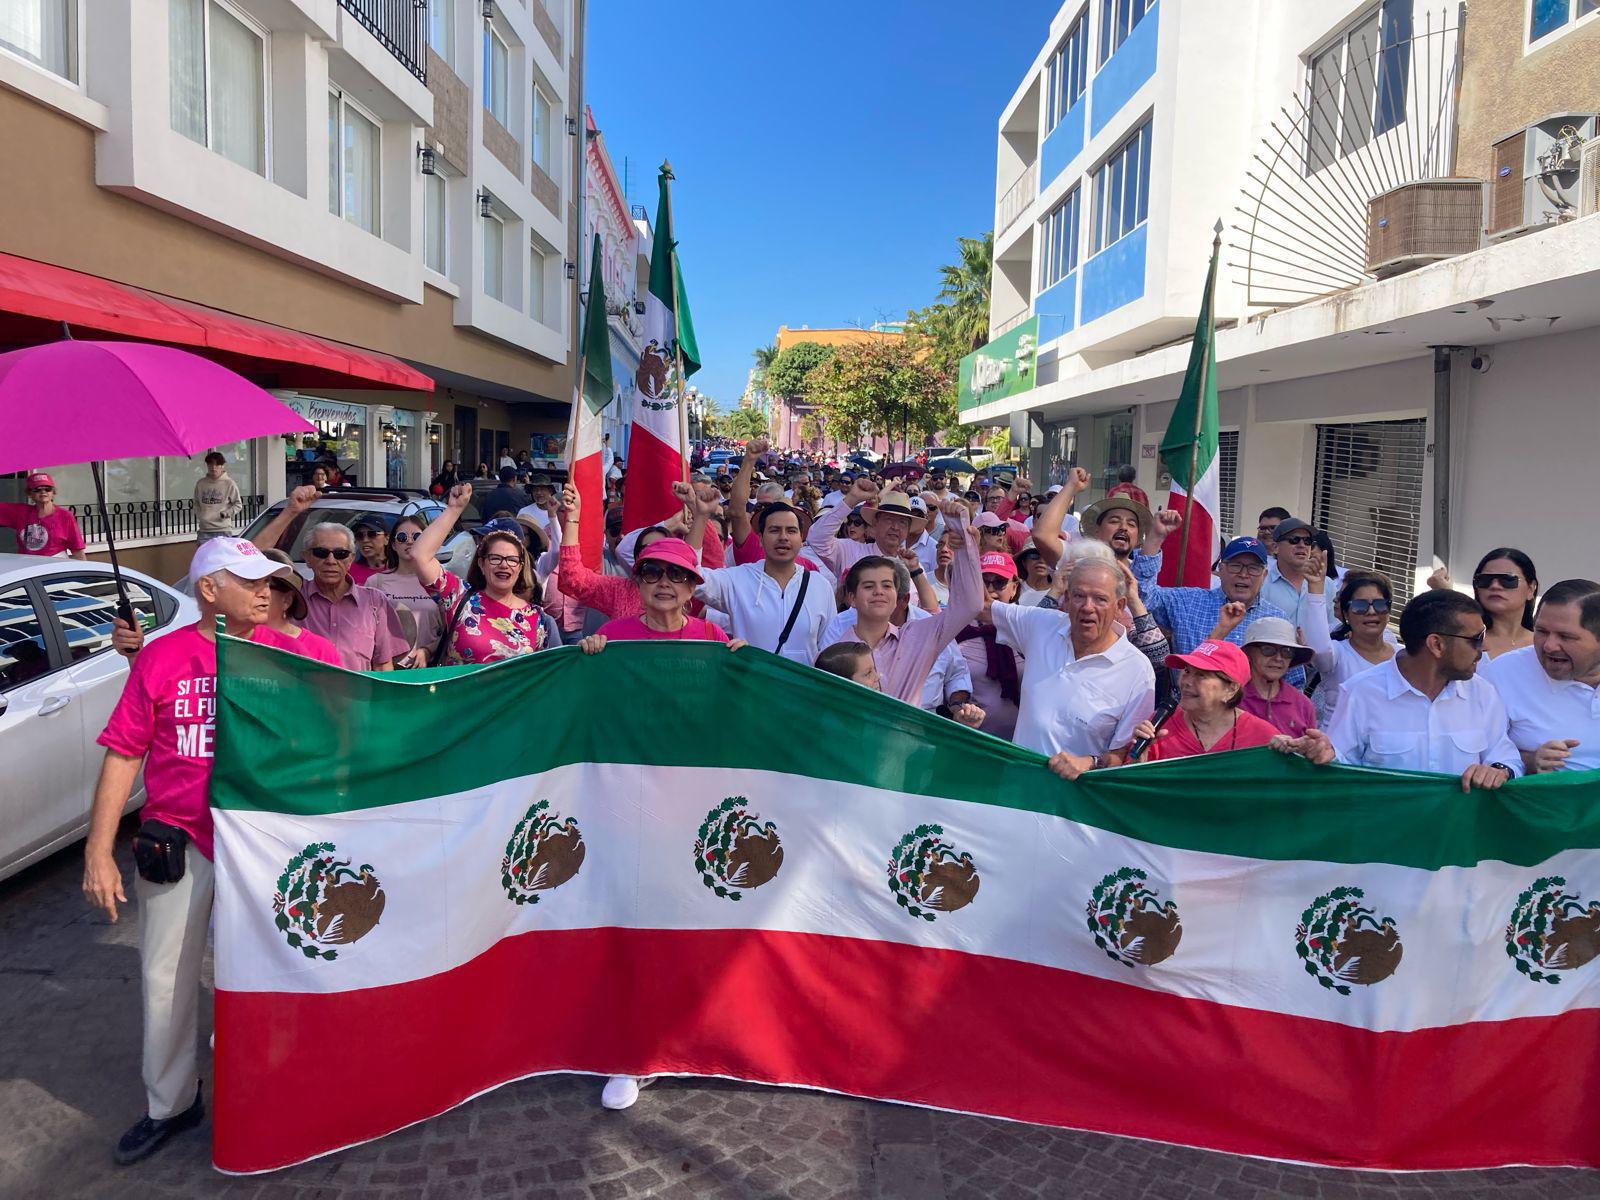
(40, 479)
(1222, 657)
(236, 556)
(998, 564)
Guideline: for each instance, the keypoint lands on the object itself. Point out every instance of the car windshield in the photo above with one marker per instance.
(293, 539)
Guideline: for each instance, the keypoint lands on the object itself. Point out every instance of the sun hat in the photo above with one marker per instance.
(236, 556)
(1276, 631)
(673, 551)
(995, 563)
(893, 504)
(297, 599)
(1222, 657)
(1141, 514)
(1244, 545)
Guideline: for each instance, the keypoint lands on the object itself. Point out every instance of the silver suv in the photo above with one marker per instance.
(348, 506)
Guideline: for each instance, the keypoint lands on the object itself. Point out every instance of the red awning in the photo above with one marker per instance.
(36, 297)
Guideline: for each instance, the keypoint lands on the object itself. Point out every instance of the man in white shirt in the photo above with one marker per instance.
(1425, 709)
(543, 509)
(774, 604)
(1086, 685)
(1551, 689)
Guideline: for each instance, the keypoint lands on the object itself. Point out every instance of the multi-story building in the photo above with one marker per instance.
(368, 207)
(788, 416)
(1391, 338)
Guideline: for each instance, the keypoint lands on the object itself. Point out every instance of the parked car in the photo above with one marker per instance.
(346, 506)
(59, 681)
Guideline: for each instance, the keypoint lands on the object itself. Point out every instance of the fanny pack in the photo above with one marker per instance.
(159, 850)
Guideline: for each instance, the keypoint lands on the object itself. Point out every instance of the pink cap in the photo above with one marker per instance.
(40, 479)
(1222, 657)
(675, 551)
(998, 564)
(989, 520)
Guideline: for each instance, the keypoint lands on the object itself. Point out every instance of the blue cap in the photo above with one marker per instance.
(1244, 545)
(501, 525)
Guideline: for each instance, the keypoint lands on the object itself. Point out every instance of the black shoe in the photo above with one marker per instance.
(147, 1136)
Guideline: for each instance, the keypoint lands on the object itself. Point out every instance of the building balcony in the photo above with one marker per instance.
(399, 27)
(1015, 200)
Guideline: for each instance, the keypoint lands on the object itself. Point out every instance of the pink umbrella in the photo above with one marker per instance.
(73, 402)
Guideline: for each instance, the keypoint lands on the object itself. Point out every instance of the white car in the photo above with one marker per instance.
(59, 681)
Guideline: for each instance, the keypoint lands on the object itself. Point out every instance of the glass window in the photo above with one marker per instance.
(1358, 85)
(1547, 16)
(536, 281)
(1122, 191)
(1117, 20)
(180, 475)
(442, 29)
(85, 605)
(494, 254)
(1059, 242)
(496, 68)
(1394, 67)
(1067, 73)
(218, 81)
(353, 160)
(434, 222)
(23, 654)
(541, 130)
(45, 32)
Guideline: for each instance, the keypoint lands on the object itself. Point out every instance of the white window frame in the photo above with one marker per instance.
(1342, 41)
(441, 181)
(542, 132)
(1111, 12)
(500, 268)
(1058, 76)
(265, 37)
(75, 43)
(1061, 227)
(1574, 19)
(536, 279)
(442, 16)
(491, 35)
(1108, 184)
(340, 97)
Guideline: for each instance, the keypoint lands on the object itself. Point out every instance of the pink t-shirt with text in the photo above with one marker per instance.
(168, 713)
(46, 536)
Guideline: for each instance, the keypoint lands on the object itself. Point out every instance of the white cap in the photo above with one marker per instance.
(235, 555)
(1052, 489)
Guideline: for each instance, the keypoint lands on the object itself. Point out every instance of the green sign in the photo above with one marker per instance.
(1002, 368)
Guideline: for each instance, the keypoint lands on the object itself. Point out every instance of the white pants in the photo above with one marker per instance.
(174, 919)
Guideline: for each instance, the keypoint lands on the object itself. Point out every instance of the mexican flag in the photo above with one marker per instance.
(592, 394)
(1244, 952)
(656, 447)
(1189, 452)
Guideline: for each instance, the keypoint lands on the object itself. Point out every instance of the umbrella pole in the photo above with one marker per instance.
(124, 609)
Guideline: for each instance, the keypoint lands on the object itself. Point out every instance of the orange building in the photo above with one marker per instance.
(786, 416)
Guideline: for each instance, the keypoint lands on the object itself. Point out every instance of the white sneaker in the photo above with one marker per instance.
(622, 1091)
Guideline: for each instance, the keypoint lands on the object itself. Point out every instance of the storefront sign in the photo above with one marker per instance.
(1002, 368)
(319, 411)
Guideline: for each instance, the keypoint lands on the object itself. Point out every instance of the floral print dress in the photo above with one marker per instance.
(486, 631)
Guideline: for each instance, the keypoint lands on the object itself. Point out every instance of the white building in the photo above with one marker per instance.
(1141, 123)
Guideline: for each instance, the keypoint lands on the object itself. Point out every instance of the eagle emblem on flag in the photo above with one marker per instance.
(1341, 941)
(544, 852)
(323, 902)
(1552, 930)
(927, 875)
(1130, 922)
(735, 849)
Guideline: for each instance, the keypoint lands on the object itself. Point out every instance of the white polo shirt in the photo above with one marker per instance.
(758, 608)
(1382, 721)
(1083, 706)
(1541, 709)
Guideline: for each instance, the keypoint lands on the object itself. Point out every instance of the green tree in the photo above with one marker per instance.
(744, 424)
(786, 377)
(883, 386)
(764, 356)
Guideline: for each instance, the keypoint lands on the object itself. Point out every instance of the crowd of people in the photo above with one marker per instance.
(969, 596)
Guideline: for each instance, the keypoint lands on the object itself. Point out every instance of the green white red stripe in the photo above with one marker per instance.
(590, 398)
(1189, 452)
(1019, 998)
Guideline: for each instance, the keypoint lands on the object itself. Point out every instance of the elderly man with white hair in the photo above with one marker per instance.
(1086, 685)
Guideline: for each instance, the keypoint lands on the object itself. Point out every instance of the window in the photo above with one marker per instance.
(1547, 16)
(85, 605)
(45, 32)
(23, 654)
(1067, 72)
(435, 222)
(537, 261)
(1358, 84)
(494, 257)
(541, 129)
(1117, 19)
(442, 29)
(1058, 242)
(354, 141)
(496, 68)
(218, 81)
(1122, 191)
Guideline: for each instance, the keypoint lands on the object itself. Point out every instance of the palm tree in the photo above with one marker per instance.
(764, 355)
(964, 291)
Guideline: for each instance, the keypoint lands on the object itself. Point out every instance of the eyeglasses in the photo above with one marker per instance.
(652, 572)
(1475, 638)
(1295, 540)
(1361, 608)
(328, 552)
(368, 533)
(403, 538)
(1266, 531)
(1491, 579)
(1249, 569)
(1271, 651)
(503, 560)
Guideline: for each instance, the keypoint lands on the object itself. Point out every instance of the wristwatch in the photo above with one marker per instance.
(914, 574)
(1510, 774)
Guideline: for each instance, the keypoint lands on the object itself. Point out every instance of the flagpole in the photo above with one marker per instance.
(677, 342)
(1200, 400)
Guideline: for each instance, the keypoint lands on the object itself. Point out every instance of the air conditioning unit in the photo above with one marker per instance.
(1536, 174)
(1589, 179)
(1423, 222)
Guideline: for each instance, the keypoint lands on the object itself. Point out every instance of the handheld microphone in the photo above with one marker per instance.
(1158, 719)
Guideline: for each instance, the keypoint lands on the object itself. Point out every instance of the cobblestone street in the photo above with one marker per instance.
(69, 1042)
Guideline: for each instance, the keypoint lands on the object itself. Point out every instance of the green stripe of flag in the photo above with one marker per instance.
(301, 738)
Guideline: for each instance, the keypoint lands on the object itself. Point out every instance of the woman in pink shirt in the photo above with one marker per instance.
(614, 595)
(665, 575)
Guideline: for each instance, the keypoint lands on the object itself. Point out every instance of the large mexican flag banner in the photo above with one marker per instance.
(1245, 953)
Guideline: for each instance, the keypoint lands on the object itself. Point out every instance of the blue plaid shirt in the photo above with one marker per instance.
(1190, 613)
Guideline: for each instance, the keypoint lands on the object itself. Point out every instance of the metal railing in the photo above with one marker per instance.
(1016, 199)
(1010, 323)
(143, 520)
(402, 27)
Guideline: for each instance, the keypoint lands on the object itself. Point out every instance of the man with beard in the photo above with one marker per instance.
(1551, 689)
(1086, 685)
(1134, 535)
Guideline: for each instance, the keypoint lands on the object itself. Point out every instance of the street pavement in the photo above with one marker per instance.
(69, 1086)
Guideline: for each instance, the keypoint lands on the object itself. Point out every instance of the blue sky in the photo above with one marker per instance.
(825, 164)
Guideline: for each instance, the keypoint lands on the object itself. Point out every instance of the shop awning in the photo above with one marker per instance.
(35, 297)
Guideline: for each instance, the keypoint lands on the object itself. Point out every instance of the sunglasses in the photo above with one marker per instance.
(364, 532)
(856, 521)
(1475, 638)
(652, 572)
(995, 582)
(1489, 579)
(502, 560)
(1271, 651)
(328, 552)
(403, 538)
(281, 585)
(1361, 608)
(1295, 539)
